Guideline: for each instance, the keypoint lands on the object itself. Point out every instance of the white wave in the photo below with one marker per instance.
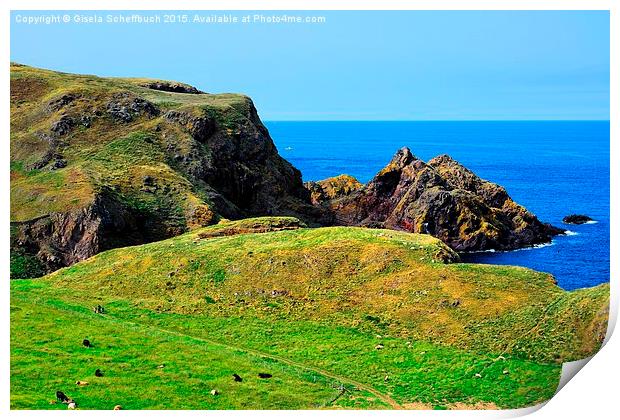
(552, 243)
(527, 248)
(570, 233)
(591, 222)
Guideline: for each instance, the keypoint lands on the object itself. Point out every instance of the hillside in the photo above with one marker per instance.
(341, 316)
(98, 163)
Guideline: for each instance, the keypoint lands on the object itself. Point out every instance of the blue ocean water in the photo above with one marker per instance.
(553, 168)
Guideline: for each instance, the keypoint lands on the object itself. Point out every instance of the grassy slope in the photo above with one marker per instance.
(107, 154)
(307, 305)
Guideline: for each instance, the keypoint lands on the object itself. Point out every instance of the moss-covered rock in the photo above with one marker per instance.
(332, 188)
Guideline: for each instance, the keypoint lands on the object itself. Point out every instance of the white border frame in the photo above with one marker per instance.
(593, 394)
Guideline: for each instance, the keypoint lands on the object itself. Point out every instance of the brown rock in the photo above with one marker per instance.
(444, 199)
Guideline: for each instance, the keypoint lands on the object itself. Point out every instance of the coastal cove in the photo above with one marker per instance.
(553, 168)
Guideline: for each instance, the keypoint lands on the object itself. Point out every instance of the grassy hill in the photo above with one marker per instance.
(341, 317)
(98, 151)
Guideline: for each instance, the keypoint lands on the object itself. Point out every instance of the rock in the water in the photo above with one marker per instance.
(444, 199)
(576, 219)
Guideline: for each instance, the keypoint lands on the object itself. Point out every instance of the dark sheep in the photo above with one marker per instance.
(265, 375)
(98, 373)
(237, 377)
(60, 396)
(86, 343)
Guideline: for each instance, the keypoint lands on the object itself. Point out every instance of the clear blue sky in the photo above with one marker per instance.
(417, 65)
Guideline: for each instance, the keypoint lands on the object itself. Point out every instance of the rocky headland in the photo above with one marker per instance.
(439, 197)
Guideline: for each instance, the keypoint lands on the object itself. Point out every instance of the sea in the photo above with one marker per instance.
(553, 168)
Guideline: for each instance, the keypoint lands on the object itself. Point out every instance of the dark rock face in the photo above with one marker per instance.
(238, 164)
(61, 239)
(63, 126)
(59, 163)
(124, 107)
(444, 199)
(172, 87)
(61, 101)
(200, 128)
(576, 219)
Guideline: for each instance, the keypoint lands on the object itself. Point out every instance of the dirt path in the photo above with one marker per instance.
(343, 379)
(383, 397)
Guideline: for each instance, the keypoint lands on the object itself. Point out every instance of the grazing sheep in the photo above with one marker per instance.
(86, 343)
(60, 396)
(237, 377)
(378, 346)
(71, 405)
(117, 407)
(81, 383)
(215, 392)
(98, 373)
(98, 309)
(265, 375)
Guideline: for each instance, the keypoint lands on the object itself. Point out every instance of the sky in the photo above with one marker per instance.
(413, 65)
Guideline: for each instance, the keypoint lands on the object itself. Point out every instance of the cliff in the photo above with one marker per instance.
(98, 163)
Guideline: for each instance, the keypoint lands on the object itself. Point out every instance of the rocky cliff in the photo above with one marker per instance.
(441, 198)
(98, 163)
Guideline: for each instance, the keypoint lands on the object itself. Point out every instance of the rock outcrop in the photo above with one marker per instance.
(332, 188)
(576, 219)
(175, 87)
(441, 198)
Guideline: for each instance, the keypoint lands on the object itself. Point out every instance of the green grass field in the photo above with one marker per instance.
(310, 307)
